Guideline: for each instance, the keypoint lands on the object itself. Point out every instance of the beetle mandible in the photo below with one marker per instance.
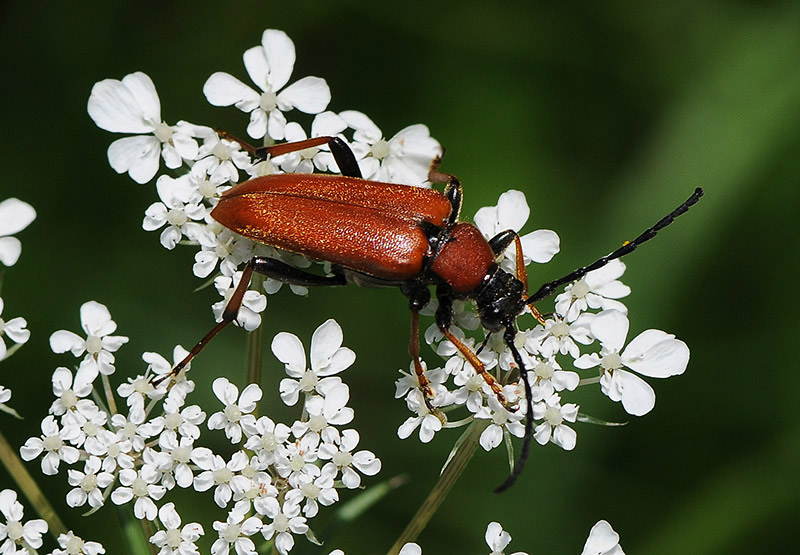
(390, 235)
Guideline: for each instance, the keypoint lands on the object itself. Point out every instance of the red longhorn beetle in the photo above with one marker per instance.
(389, 235)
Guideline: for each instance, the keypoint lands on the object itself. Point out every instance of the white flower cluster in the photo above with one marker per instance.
(273, 484)
(588, 315)
(15, 215)
(205, 163)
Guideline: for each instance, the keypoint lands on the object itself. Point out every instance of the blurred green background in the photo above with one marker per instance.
(605, 114)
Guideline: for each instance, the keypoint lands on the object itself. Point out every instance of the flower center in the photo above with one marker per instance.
(177, 217)
(163, 132)
(268, 441)
(74, 546)
(181, 454)
(553, 416)
(268, 101)
(380, 149)
(281, 523)
(317, 423)
(69, 399)
(89, 482)
(231, 533)
(579, 289)
(544, 371)
(173, 538)
(223, 475)
(139, 487)
(173, 420)
(52, 443)
(560, 329)
(207, 188)
(342, 459)
(94, 344)
(309, 381)
(310, 490)
(611, 362)
(233, 413)
(14, 530)
(222, 151)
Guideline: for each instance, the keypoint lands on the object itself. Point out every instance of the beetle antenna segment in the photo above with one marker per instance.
(509, 336)
(629, 246)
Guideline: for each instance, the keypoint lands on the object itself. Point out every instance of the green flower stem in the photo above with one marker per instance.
(448, 478)
(134, 533)
(30, 488)
(255, 340)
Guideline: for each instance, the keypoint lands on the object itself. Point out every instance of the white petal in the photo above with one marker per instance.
(96, 319)
(360, 122)
(288, 348)
(280, 56)
(127, 106)
(310, 95)
(15, 215)
(62, 341)
(223, 89)
(656, 354)
(602, 538)
(327, 338)
(512, 210)
(250, 396)
(540, 245)
(10, 249)
(637, 397)
(225, 391)
(138, 156)
(610, 327)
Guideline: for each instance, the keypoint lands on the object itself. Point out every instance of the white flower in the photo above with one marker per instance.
(13, 532)
(88, 484)
(269, 67)
(298, 457)
(73, 545)
(286, 520)
(405, 158)
(427, 422)
(498, 539)
(410, 549)
(237, 408)
(181, 386)
(559, 336)
(652, 353)
(221, 159)
(511, 212)
(99, 344)
(253, 302)
(597, 289)
(181, 453)
(342, 459)
(174, 540)
(52, 443)
(304, 161)
(266, 438)
(501, 419)
(603, 540)
(323, 412)
(216, 472)
(14, 329)
(69, 393)
(15, 215)
(328, 358)
(132, 106)
(140, 485)
(235, 532)
(554, 414)
(315, 489)
(176, 210)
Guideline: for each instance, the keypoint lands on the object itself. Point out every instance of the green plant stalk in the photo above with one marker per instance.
(436, 496)
(30, 488)
(255, 341)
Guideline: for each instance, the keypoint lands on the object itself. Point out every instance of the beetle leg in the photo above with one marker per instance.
(228, 316)
(285, 273)
(444, 317)
(419, 370)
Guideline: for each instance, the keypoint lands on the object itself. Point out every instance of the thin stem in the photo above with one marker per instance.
(446, 481)
(112, 404)
(30, 488)
(254, 340)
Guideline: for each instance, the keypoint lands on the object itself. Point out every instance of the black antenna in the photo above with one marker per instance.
(629, 246)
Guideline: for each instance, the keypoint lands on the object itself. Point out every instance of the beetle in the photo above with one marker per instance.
(391, 235)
